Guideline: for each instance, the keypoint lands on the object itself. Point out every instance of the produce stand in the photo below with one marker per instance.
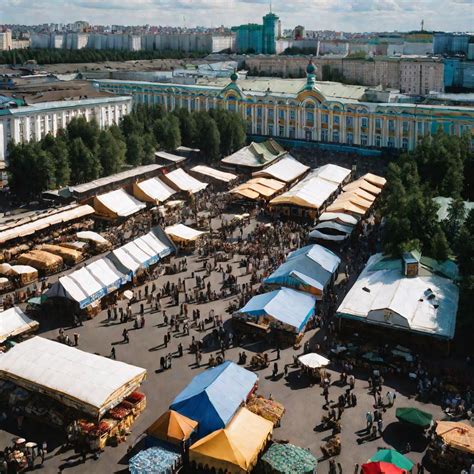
(70, 256)
(42, 261)
(268, 409)
(288, 459)
(161, 459)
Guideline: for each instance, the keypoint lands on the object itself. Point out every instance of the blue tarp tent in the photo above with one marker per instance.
(285, 306)
(213, 397)
(308, 269)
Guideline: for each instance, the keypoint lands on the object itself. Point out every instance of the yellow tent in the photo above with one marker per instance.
(347, 207)
(375, 180)
(457, 435)
(259, 187)
(352, 197)
(173, 427)
(362, 184)
(234, 449)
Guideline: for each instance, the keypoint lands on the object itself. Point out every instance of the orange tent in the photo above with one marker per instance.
(173, 427)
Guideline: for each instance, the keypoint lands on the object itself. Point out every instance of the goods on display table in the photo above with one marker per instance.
(288, 459)
(22, 274)
(161, 459)
(268, 409)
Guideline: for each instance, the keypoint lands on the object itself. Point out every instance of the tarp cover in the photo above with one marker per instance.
(152, 190)
(313, 360)
(88, 235)
(213, 396)
(183, 232)
(288, 459)
(286, 306)
(70, 375)
(234, 449)
(339, 217)
(457, 435)
(185, 182)
(155, 460)
(117, 203)
(311, 266)
(287, 169)
(213, 173)
(14, 322)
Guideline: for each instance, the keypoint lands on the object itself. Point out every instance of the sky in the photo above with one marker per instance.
(339, 15)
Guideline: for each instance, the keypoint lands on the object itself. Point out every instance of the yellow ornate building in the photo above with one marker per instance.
(305, 109)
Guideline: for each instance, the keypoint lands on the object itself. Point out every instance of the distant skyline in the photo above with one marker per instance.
(339, 15)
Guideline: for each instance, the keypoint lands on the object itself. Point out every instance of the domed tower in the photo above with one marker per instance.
(310, 72)
(234, 76)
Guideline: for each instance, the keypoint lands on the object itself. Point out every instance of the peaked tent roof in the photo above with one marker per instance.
(117, 203)
(173, 427)
(213, 396)
(287, 169)
(214, 173)
(256, 155)
(289, 307)
(238, 445)
(152, 190)
(13, 322)
(183, 232)
(312, 265)
(183, 181)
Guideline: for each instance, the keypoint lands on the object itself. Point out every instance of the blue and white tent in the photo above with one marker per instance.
(214, 396)
(307, 269)
(284, 309)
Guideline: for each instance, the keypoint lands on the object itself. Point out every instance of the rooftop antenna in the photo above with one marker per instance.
(270, 6)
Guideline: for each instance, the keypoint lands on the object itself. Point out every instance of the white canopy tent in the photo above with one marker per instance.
(339, 217)
(182, 232)
(184, 181)
(14, 322)
(286, 169)
(213, 173)
(88, 235)
(117, 203)
(90, 383)
(153, 190)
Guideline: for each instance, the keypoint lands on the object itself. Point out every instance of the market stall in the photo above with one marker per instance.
(285, 311)
(21, 274)
(287, 169)
(313, 364)
(95, 240)
(182, 181)
(288, 459)
(452, 448)
(234, 449)
(172, 427)
(43, 261)
(310, 268)
(14, 322)
(152, 190)
(268, 409)
(214, 173)
(259, 188)
(182, 234)
(414, 416)
(393, 457)
(70, 256)
(117, 204)
(156, 460)
(213, 396)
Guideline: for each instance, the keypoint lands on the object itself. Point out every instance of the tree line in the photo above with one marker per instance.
(83, 152)
(441, 165)
(89, 55)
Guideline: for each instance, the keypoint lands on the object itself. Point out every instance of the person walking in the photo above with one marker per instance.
(275, 370)
(125, 336)
(76, 339)
(380, 426)
(112, 353)
(369, 420)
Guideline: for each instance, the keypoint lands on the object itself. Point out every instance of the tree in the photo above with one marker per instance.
(465, 246)
(110, 153)
(88, 132)
(85, 165)
(187, 127)
(167, 132)
(135, 154)
(57, 148)
(455, 218)
(149, 147)
(207, 137)
(440, 246)
(231, 130)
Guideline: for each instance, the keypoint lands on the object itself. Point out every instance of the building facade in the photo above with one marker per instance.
(6, 42)
(302, 109)
(34, 122)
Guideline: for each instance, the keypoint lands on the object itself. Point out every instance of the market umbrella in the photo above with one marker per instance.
(173, 427)
(393, 457)
(380, 467)
(457, 435)
(313, 360)
(414, 416)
